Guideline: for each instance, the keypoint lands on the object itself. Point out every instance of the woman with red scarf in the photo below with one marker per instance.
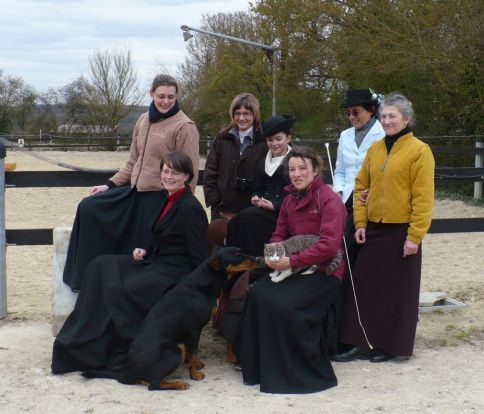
(118, 291)
(111, 220)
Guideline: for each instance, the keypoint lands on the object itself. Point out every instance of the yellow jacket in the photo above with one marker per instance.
(401, 186)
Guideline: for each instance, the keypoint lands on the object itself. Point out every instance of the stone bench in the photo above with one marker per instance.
(63, 299)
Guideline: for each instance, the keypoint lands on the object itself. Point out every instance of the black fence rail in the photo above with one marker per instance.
(44, 237)
(444, 154)
(50, 141)
(23, 179)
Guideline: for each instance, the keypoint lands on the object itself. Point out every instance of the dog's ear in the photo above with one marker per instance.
(214, 259)
(214, 263)
(216, 249)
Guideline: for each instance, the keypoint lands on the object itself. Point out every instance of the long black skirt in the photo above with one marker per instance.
(387, 289)
(113, 222)
(281, 342)
(250, 229)
(116, 295)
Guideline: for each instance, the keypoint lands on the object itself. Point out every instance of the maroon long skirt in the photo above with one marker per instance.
(387, 289)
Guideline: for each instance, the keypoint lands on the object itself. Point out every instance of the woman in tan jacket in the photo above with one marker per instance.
(399, 171)
(115, 217)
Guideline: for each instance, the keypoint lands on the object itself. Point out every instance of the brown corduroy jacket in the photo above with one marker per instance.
(151, 142)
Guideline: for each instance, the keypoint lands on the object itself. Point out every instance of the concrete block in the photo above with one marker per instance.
(430, 298)
(438, 301)
(63, 299)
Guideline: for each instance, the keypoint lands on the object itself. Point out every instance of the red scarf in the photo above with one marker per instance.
(171, 200)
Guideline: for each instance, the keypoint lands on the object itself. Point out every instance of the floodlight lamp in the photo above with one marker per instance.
(187, 36)
(186, 33)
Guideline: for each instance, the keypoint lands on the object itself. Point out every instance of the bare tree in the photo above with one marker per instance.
(45, 115)
(111, 90)
(74, 97)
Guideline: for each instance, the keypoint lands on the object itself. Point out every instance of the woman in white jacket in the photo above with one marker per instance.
(361, 106)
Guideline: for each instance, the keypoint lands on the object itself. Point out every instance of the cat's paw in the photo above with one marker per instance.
(277, 279)
(275, 273)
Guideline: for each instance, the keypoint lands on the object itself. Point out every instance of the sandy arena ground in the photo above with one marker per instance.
(444, 376)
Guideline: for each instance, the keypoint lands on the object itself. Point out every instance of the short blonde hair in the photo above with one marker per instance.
(248, 101)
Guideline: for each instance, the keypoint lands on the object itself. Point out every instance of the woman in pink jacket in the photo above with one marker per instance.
(286, 327)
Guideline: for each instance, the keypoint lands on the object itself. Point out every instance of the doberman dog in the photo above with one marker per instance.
(178, 318)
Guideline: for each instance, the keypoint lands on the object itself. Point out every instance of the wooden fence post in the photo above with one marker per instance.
(3, 239)
(479, 163)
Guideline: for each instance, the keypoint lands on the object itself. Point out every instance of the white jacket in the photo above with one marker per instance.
(350, 158)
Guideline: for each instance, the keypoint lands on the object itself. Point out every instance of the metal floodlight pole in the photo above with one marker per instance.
(272, 48)
(3, 239)
(275, 61)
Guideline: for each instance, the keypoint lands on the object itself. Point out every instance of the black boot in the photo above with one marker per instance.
(351, 355)
(378, 355)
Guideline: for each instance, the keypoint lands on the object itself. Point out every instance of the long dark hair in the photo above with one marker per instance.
(180, 162)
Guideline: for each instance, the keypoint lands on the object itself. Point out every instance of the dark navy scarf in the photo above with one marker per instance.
(156, 115)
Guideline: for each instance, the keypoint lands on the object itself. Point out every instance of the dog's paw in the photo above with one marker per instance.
(197, 375)
(169, 385)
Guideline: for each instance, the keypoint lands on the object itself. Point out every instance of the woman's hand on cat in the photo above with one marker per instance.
(282, 264)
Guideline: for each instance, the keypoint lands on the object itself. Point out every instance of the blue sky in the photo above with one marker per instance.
(48, 43)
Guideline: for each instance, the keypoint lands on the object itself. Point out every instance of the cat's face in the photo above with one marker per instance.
(273, 251)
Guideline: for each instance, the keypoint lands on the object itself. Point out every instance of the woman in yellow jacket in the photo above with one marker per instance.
(399, 170)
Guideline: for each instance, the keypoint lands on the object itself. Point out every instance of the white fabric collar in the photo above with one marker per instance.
(273, 163)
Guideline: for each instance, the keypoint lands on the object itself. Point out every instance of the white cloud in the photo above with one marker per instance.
(48, 43)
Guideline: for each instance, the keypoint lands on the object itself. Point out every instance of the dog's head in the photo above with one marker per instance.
(231, 260)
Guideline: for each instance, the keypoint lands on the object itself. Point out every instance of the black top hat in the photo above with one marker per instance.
(276, 123)
(356, 97)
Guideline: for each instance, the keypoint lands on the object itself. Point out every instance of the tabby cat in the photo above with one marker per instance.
(295, 244)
